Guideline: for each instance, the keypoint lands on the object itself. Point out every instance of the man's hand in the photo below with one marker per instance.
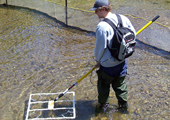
(98, 65)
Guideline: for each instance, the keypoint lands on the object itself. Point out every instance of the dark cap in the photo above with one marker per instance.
(99, 3)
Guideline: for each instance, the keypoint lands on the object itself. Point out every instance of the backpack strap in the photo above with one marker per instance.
(120, 24)
(110, 23)
(114, 29)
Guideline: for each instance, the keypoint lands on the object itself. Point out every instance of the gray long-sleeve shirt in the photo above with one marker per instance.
(104, 33)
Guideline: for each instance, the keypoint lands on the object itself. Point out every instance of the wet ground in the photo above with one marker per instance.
(40, 55)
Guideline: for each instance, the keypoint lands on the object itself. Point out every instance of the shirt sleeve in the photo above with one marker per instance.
(101, 43)
(130, 26)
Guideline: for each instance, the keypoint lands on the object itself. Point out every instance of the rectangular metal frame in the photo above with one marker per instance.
(51, 118)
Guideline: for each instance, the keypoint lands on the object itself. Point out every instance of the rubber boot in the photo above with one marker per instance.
(123, 107)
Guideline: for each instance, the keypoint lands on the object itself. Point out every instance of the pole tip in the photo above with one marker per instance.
(155, 18)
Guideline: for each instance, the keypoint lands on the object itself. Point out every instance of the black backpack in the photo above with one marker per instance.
(123, 41)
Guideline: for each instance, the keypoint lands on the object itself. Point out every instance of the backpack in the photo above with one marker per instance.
(123, 41)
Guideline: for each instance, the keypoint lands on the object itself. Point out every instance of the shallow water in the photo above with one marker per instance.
(139, 12)
(40, 55)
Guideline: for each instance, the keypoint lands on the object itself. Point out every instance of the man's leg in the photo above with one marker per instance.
(120, 88)
(103, 86)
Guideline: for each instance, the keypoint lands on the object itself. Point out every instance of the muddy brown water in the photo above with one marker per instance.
(38, 54)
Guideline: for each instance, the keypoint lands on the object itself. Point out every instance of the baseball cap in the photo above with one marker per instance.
(99, 3)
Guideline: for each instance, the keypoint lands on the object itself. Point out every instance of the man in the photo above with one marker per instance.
(111, 71)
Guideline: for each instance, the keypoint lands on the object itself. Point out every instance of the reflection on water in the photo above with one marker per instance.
(40, 55)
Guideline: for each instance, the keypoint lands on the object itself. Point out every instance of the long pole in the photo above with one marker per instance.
(62, 94)
(150, 22)
(75, 83)
(6, 2)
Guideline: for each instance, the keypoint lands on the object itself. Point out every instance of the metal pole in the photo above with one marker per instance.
(66, 12)
(6, 2)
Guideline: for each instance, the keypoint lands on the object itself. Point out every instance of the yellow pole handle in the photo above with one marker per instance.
(150, 22)
(73, 85)
(86, 74)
